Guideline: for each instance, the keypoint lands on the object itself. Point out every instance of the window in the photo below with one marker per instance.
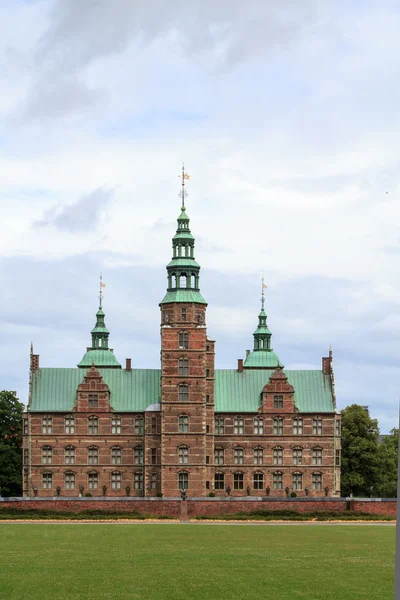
(138, 455)
(93, 455)
(47, 425)
(317, 456)
(258, 481)
(297, 481)
(153, 425)
(93, 425)
(183, 455)
(116, 424)
(278, 426)
(297, 456)
(207, 372)
(238, 425)
(183, 314)
(69, 455)
(258, 426)
(207, 348)
(219, 425)
(154, 456)
(116, 454)
(337, 427)
(183, 367)
(219, 456)
(207, 460)
(93, 480)
(26, 427)
(26, 456)
(183, 423)
(153, 481)
(47, 481)
(238, 454)
(297, 426)
(277, 480)
(278, 401)
(69, 424)
(207, 398)
(207, 429)
(139, 426)
(337, 458)
(183, 340)
(317, 481)
(47, 455)
(69, 480)
(278, 455)
(219, 481)
(116, 479)
(183, 392)
(238, 481)
(258, 454)
(183, 480)
(317, 426)
(93, 401)
(138, 480)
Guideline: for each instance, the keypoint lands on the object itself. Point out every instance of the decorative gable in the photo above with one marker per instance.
(93, 394)
(278, 394)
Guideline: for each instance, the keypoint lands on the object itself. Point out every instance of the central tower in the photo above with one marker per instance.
(187, 372)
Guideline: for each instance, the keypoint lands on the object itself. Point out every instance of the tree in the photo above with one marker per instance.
(387, 466)
(10, 444)
(360, 463)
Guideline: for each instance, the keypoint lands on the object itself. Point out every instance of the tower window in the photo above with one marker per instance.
(183, 339)
(183, 392)
(183, 367)
(153, 425)
(183, 455)
(183, 424)
(183, 314)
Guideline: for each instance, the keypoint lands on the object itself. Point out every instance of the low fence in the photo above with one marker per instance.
(197, 507)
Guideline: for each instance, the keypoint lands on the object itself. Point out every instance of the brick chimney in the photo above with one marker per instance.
(240, 365)
(327, 363)
(34, 362)
(128, 364)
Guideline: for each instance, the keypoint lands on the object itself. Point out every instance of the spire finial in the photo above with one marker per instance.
(102, 285)
(183, 192)
(263, 287)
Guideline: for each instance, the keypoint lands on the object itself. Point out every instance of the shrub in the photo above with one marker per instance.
(159, 495)
(293, 495)
(248, 490)
(88, 495)
(211, 495)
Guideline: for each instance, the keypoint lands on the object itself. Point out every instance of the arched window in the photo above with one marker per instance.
(116, 479)
(69, 480)
(258, 480)
(93, 425)
(317, 481)
(278, 455)
(258, 455)
(183, 392)
(219, 425)
(183, 480)
(69, 455)
(238, 480)
(277, 480)
(297, 426)
(138, 480)
(93, 480)
(116, 424)
(258, 426)
(69, 424)
(183, 455)
(238, 425)
(238, 454)
(47, 424)
(297, 455)
(278, 426)
(116, 455)
(183, 339)
(183, 423)
(138, 455)
(219, 456)
(93, 455)
(317, 426)
(219, 481)
(317, 456)
(183, 367)
(297, 481)
(47, 455)
(139, 425)
(47, 480)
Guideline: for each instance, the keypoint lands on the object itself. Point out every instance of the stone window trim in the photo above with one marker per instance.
(93, 480)
(138, 480)
(138, 423)
(317, 425)
(183, 454)
(69, 480)
(238, 480)
(278, 401)
(93, 400)
(219, 480)
(93, 425)
(258, 480)
(116, 480)
(183, 340)
(316, 480)
(238, 454)
(219, 456)
(116, 424)
(138, 454)
(317, 454)
(69, 455)
(238, 425)
(183, 366)
(183, 392)
(69, 424)
(153, 481)
(278, 423)
(277, 480)
(258, 424)
(219, 425)
(93, 455)
(297, 480)
(258, 455)
(297, 425)
(116, 455)
(47, 480)
(183, 480)
(47, 424)
(277, 455)
(183, 423)
(47, 455)
(297, 455)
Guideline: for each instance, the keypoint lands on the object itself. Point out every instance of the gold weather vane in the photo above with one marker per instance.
(183, 192)
(263, 287)
(102, 285)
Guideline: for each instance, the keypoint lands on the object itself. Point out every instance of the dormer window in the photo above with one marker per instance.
(93, 401)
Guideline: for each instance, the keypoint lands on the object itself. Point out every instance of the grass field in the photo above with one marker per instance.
(160, 562)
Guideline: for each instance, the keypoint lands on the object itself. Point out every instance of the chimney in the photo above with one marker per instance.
(129, 364)
(34, 362)
(247, 353)
(240, 365)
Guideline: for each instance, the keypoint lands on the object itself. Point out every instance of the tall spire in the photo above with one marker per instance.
(183, 270)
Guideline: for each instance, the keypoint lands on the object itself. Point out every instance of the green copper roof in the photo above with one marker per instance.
(183, 216)
(100, 358)
(183, 235)
(180, 261)
(54, 390)
(262, 358)
(183, 296)
(262, 330)
(99, 330)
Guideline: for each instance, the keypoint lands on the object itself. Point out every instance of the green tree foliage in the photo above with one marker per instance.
(10, 444)
(360, 452)
(387, 466)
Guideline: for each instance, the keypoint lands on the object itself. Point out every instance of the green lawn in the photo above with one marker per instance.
(189, 562)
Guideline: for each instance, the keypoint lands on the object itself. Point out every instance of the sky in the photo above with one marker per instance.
(286, 116)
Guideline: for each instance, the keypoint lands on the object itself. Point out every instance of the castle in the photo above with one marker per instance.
(258, 429)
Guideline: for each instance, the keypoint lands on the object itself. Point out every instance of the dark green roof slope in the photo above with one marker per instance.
(54, 390)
